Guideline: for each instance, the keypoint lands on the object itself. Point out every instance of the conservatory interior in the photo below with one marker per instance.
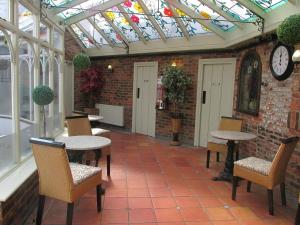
(153, 112)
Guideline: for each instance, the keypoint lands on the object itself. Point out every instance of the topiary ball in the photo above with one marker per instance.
(289, 30)
(42, 95)
(81, 61)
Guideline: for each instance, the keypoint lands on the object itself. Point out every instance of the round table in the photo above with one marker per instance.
(231, 137)
(93, 118)
(81, 144)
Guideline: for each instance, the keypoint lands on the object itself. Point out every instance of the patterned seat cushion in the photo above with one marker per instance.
(82, 172)
(255, 164)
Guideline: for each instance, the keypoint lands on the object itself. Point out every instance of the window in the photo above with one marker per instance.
(25, 19)
(26, 84)
(57, 39)
(44, 32)
(7, 132)
(4, 9)
(56, 76)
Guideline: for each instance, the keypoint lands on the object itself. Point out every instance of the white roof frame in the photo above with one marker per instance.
(87, 34)
(101, 32)
(93, 11)
(179, 22)
(200, 19)
(132, 24)
(253, 8)
(63, 7)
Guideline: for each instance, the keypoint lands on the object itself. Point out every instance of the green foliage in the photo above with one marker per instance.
(81, 61)
(176, 82)
(289, 30)
(42, 95)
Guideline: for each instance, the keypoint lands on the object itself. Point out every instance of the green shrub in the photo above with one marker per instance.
(81, 61)
(42, 95)
(289, 30)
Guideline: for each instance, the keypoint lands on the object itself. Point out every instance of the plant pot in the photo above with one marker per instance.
(91, 111)
(176, 125)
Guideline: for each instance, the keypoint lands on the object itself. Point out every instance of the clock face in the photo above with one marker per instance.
(281, 63)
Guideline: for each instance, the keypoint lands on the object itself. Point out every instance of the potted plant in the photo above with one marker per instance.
(175, 82)
(91, 84)
(81, 61)
(43, 95)
(289, 33)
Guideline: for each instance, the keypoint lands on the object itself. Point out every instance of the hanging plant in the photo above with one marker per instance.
(289, 30)
(81, 61)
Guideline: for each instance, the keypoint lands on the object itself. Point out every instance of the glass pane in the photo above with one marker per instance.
(57, 39)
(26, 79)
(136, 14)
(269, 4)
(57, 114)
(118, 19)
(211, 16)
(107, 29)
(167, 23)
(235, 9)
(93, 32)
(82, 37)
(44, 32)
(4, 9)
(7, 134)
(25, 19)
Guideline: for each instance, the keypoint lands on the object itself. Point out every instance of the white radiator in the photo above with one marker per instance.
(112, 114)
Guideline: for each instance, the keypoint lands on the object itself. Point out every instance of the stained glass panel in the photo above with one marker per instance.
(269, 4)
(167, 23)
(93, 32)
(118, 19)
(107, 29)
(82, 37)
(136, 14)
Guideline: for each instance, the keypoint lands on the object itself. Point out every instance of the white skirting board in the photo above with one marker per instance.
(113, 114)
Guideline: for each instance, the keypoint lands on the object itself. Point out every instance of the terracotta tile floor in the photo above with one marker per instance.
(153, 183)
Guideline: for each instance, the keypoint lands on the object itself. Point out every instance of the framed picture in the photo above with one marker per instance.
(249, 84)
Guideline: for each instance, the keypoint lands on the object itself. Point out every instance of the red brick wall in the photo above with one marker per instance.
(21, 204)
(71, 46)
(278, 101)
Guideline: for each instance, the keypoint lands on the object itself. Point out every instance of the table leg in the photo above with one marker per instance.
(75, 156)
(98, 154)
(226, 174)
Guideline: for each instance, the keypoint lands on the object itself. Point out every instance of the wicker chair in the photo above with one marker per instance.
(60, 179)
(80, 125)
(226, 123)
(265, 173)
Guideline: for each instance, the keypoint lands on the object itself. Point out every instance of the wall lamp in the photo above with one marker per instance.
(296, 56)
(174, 64)
(110, 68)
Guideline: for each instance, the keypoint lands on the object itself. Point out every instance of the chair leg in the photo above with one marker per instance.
(108, 159)
(207, 158)
(297, 219)
(234, 186)
(248, 186)
(39, 215)
(70, 213)
(218, 156)
(98, 192)
(282, 192)
(271, 203)
(237, 155)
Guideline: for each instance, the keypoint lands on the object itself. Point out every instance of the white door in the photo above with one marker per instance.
(145, 82)
(68, 88)
(216, 100)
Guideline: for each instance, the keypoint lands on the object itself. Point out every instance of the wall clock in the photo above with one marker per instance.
(281, 63)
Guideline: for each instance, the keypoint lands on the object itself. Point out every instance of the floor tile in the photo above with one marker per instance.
(114, 216)
(141, 216)
(242, 213)
(187, 202)
(164, 202)
(160, 192)
(194, 214)
(219, 214)
(138, 192)
(139, 203)
(168, 215)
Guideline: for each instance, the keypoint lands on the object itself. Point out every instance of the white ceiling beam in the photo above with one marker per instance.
(253, 8)
(132, 24)
(58, 9)
(179, 22)
(117, 30)
(152, 20)
(101, 32)
(88, 35)
(200, 19)
(75, 37)
(93, 11)
(218, 10)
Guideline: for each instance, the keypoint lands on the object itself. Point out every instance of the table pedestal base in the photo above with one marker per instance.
(226, 174)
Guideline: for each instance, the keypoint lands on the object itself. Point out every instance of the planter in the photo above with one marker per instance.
(176, 125)
(91, 111)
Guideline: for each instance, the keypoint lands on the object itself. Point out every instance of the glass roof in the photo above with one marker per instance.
(133, 19)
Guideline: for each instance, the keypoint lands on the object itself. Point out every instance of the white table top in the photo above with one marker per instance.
(95, 118)
(232, 135)
(84, 143)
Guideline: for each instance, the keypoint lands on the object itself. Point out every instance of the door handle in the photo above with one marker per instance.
(203, 97)
(138, 93)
